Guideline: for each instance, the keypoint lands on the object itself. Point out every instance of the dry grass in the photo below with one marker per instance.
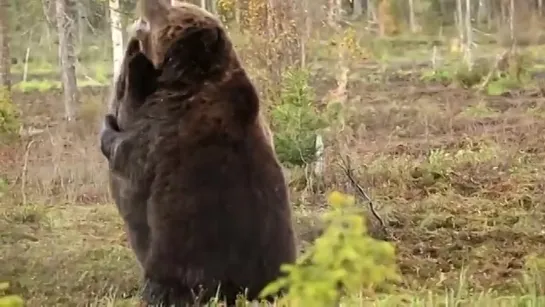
(458, 176)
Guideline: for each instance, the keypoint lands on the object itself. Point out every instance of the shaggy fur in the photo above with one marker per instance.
(136, 81)
(216, 200)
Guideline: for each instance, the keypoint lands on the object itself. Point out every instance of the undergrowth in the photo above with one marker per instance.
(9, 115)
(8, 300)
(343, 258)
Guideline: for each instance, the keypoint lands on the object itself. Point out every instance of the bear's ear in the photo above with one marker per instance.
(140, 29)
(200, 47)
(141, 80)
(132, 47)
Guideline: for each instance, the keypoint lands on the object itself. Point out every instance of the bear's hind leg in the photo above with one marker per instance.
(171, 294)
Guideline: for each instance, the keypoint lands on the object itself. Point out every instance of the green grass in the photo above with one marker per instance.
(47, 85)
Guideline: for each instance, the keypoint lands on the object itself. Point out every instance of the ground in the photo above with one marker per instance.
(458, 176)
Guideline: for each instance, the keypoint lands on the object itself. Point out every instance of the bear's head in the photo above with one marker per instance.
(183, 40)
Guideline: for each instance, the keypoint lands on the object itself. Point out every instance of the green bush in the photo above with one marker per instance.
(9, 117)
(343, 257)
(9, 300)
(296, 121)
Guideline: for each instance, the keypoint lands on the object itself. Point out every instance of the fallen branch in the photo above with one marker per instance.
(345, 165)
(24, 172)
(493, 70)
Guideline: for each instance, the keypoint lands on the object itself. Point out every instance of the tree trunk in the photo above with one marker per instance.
(238, 13)
(333, 13)
(203, 4)
(5, 60)
(117, 36)
(211, 5)
(481, 12)
(82, 20)
(469, 36)
(65, 13)
(412, 21)
(459, 20)
(512, 21)
(358, 9)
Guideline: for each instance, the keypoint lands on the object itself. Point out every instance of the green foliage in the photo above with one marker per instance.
(468, 78)
(45, 85)
(512, 72)
(4, 186)
(9, 300)
(343, 257)
(437, 75)
(226, 10)
(502, 85)
(41, 86)
(496, 88)
(296, 121)
(534, 275)
(9, 117)
(457, 73)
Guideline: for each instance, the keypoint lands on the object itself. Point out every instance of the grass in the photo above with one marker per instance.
(459, 177)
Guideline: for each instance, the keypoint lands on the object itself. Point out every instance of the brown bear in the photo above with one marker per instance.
(155, 12)
(136, 81)
(136, 70)
(197, 157)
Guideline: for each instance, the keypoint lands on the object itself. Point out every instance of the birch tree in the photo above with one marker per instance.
(458, 16)
(370, 11)
(412, 21)
(512, 22)
(117, 36)
(5, 60)
(83, 19)
(357, 10)
(211, 6)
(65, 11)
(469, 36)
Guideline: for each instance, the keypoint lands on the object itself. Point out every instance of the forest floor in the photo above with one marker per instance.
(459, 177)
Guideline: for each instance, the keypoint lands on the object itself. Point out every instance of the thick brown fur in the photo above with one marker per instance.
(153, 43)
(136, 81)
(217, 206)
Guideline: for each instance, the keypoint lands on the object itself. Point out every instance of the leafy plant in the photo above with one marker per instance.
(437, 75)
(502, 85)
(296, 121)
(343, 257)
(9, 116)
(9, 300)
(226, 9)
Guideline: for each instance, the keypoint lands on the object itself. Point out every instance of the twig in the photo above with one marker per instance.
(483, 33)
(492, 70)
(85, 70)
(345, 166)
(24, 171)
(25, 67)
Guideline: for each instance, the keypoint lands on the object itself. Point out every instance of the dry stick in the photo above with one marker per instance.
(493, 70)
(25, 67)
(345, 166)
(24, 172)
